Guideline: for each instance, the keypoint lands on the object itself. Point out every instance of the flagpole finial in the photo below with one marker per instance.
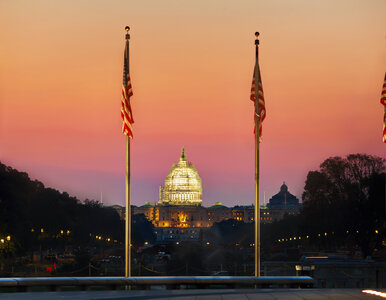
(127, 28)
(257, 38)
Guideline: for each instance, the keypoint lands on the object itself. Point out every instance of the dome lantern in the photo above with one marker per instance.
(183, 157)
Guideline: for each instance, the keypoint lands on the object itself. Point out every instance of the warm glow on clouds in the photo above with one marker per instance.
(322, 65)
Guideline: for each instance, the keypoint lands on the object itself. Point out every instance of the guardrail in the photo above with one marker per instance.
(170, 282)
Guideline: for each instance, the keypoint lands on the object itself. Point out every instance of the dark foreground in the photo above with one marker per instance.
(260, 294)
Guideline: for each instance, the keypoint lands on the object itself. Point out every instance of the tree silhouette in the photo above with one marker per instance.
(347, 197)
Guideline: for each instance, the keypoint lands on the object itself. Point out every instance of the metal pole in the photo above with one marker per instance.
(127, 183)
(257, 163)
(128, 213)
(257, 202)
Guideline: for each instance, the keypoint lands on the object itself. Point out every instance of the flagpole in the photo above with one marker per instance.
(128, 212)
(128, 190)
(257, 163)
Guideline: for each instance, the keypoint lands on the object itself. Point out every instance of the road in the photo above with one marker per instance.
(210, 294)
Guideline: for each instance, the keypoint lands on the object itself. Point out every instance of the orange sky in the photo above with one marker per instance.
(322, 65)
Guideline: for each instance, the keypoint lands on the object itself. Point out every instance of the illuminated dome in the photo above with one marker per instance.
(182, 185)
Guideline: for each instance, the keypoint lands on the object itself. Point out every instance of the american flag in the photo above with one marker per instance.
(127, 92)
(260, 106)
(383, 101)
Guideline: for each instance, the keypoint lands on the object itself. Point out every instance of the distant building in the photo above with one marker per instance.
(182, 185)
(179, 215)
(247, 213)
(283, 203)
(120, 210)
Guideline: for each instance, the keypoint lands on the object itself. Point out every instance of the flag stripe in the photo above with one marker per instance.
(260, 95)
(127, 92)
(383, 95)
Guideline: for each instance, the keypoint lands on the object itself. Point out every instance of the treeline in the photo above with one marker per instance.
(36, 217)
(343, 208)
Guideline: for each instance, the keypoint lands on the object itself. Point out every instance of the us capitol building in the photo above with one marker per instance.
(179, 214)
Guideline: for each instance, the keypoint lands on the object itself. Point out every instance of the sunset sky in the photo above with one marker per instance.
(322, 64)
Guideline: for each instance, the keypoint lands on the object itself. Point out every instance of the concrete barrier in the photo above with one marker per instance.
(170, 282)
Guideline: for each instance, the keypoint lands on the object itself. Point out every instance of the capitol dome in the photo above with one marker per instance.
(183, 184)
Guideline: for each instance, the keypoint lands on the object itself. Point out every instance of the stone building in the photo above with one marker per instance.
(179, 214)
(182, 185)
(283, 203)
